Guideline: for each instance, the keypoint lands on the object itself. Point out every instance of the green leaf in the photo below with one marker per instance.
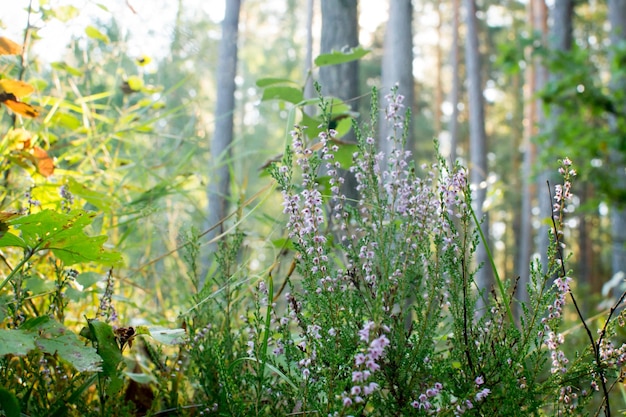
(63, 234)
(141, 378)
(9, 404)
(37, 285)
(65, 120)
(65, 13)
(16, 342)
(74, 295)
(9, 239)
(340, 119)
(168, 336)
(266, 82)
(338, 57)
(98, 199)
(54, 338)
(87, 279)
(94, 33)
(110, 353)
(283, 243)
(289, 94)
(344, 154)
(64, 67)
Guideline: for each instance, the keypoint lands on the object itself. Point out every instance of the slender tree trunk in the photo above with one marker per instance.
(478, 141)
(340, 32)
(617, 18)
(308, 59)
(456, 81)
(533, 117)
(560, 39)
(397, 65)
(218, 189)
(438, 67)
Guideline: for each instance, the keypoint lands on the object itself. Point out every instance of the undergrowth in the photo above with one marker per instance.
(376, 313)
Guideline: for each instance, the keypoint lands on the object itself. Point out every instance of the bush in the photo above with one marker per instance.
(383, 316)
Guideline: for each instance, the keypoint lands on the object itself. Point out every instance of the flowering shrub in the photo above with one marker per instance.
(381, 317)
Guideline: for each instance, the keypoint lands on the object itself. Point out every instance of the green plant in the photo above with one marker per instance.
(380, 316)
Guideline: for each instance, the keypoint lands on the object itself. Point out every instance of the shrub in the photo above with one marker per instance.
(383, 316)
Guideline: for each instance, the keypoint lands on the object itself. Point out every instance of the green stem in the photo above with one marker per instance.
(503, 294)
(29, 253)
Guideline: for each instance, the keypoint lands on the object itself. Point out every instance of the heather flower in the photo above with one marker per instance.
(366, 364)
(424, 399)
(106, 309)
(482, 394)
(67, 198)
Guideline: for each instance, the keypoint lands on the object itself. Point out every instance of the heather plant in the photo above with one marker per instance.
(382, 315)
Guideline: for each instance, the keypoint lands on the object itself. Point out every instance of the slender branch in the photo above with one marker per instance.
(26, 41)
(595, 346)
(608, 319)
(465, 323)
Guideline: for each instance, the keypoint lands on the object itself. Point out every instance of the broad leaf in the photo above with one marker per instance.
(16, 342)
(87, 279)
(63, 234)
(289, 94)
(54, 338)
(9, 404)
(168, 336)
(65, 67)
(266, 82)
(109, 351)
(338, 57)
(94, 33)
(100, 200)
(9, 239)
(344, 154)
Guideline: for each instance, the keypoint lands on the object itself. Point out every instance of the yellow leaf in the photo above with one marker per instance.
(8, 47)
(45, 164)
(23, 109)
(94, 33)
(16, 88)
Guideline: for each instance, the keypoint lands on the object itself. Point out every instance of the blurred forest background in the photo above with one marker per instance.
(137, 117)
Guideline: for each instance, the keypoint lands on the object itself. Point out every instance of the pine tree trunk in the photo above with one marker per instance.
(478, 142)
(455, 93)
(617, 18)
(218, 190)
(340, 32)
(397, 65)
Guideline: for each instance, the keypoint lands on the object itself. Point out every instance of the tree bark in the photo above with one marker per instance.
(455, 93)
(340, 32)
(397, 65)
(218, 190)
(309, 91)
(617, 19)
(478, 142)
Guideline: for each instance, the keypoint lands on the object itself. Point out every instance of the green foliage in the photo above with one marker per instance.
(9, 404)
(378, 313)
(590, 121)
(341, 57)
(61, 233)
(368, 308)
(67, 176)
